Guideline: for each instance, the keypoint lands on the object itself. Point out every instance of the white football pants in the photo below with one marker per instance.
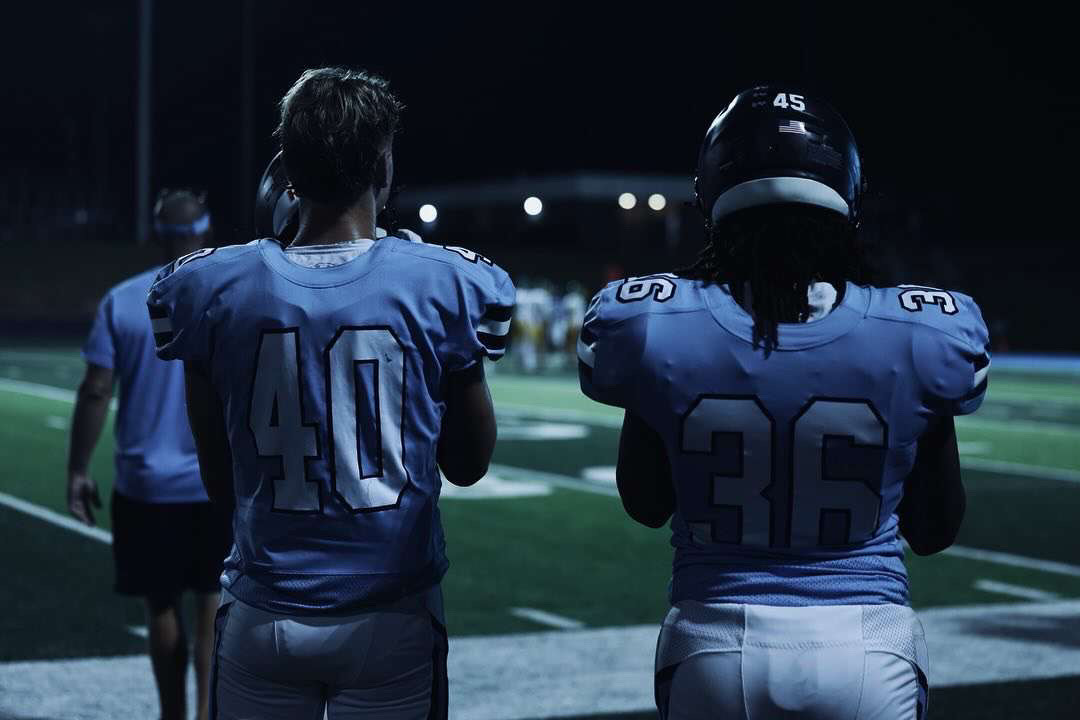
(387, 663)
(801, 662)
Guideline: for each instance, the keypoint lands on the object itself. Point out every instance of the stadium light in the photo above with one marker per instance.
(627, 201)
(657, 202)
(428, 213)
(533, 206)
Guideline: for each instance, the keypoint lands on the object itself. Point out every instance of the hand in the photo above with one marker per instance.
(82, 492)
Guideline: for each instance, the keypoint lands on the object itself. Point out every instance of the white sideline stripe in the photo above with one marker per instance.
(1034, 471)
(139, 631)
(37, 390)
(559, 673)
(1020, 591)
(55, 518)
(546, 618)
(1002, 558)
(48, 392)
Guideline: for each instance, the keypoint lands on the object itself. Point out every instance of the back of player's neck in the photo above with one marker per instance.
(325, 225)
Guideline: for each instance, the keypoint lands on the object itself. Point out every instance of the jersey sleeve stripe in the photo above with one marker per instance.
(981, 377)
(490, 327)
(585, 353)
(492, 342)
(161, 325)
(976, 391)
(161, 339)
(498, 313)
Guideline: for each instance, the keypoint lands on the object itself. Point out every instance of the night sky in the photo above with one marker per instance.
(966, 109)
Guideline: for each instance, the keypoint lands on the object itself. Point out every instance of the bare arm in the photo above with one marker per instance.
(88, 420)
(643, 474)
(934, 501)
(207, 418)
(467, 438)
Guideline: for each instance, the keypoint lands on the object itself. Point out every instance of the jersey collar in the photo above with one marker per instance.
(274, 256)
(791, 336)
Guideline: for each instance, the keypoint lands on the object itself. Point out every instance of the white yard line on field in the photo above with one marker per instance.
(38, 390)
(47, 392)
(1020, 591)
(1021, 561)
(55, 518)
(545, 618)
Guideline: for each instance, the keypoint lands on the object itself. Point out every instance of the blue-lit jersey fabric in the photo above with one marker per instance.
(155, 454)
(331, 380)
(787, 469)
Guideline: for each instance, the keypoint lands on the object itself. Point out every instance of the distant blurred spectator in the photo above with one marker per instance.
(546, 324)
(167, 538)
(531, 316)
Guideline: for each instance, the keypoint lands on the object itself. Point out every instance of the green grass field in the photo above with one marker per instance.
(567, 548)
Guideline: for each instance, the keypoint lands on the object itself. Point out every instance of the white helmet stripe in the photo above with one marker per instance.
(773, 190)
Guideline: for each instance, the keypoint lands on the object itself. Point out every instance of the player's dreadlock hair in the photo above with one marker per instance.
(777, 252)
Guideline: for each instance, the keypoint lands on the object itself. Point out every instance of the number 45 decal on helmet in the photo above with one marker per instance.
(785, 100)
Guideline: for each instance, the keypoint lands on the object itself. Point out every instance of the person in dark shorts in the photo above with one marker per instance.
(167, 537)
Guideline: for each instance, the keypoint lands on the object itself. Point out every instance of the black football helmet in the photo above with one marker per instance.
(276, 207)
(771, 146)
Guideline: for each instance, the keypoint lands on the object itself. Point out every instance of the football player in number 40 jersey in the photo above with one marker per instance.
(327, 384)
(792, 420)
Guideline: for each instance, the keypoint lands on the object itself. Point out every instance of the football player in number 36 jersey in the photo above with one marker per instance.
(327, 385)
(792, 420)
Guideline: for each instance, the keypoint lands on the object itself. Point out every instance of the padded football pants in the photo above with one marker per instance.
(385, 664)
(807, 662)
